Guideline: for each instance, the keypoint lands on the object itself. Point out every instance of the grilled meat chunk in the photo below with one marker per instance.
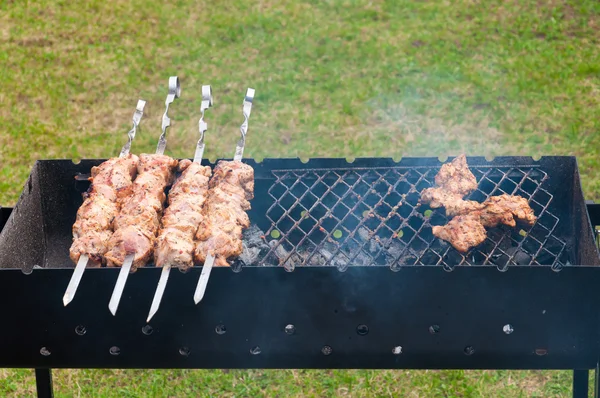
(111, 181)
(137, 223)
(175, 243)
(463, 232)
(455, 177)
(467, 228)
(220, 232)
(453, 202)
(505, 209)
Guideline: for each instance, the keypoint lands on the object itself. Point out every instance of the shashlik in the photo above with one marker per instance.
(467, 228)
(224, 213)
(175, 243)
(111, 183)
(137, 224)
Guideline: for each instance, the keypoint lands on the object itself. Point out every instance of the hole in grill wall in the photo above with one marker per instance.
(220, 329)
(147, 330)
(184, 351)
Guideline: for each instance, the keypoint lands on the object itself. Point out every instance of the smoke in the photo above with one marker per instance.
(430, 123)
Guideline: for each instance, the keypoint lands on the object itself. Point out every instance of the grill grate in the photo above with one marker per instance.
(371, 216)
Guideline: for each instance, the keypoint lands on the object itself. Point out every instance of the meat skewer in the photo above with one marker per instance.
(175, 243)
(136, 226)
(230, 189)
(111, 182)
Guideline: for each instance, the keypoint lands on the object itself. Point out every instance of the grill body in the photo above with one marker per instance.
(343, 290)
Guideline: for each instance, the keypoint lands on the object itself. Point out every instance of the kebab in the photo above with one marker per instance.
(224, 213)
(175, 244)
(111, 183)
(467, 228)
(136, 226)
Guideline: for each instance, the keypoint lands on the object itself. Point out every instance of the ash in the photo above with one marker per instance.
(255, 248)
(365, 248)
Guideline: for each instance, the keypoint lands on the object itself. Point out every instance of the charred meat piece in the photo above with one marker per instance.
(454, 203)
(467, 228)
(175, 243)
(506, 209)
(225, 217)
(138, 221)
(455, 177)
(462, 232)
(111, 181)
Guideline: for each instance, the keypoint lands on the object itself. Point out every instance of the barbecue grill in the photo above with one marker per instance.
(340, 270)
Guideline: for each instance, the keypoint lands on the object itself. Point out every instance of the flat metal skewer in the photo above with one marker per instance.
(84, 258)
(113, 305)
(239, 153)
(174, 93)
(207, 101)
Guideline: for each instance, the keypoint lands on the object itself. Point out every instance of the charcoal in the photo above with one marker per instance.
(254, 246)
(519, 256)
(280, 251)
(396, 249)
(363, 234)
(250, 255)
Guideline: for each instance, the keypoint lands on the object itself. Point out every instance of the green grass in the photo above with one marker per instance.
(333, 78)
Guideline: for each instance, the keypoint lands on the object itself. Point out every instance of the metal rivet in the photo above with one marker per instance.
(44, 351)
(80, 330)
(448, 268)
(557, 267)
(433, 329)
(362, 330)
(220, 329)
(290, 329)
(469, 350)
(326, 350)
(147, 330)
(508, 329)
(184, 351)
(397, 350)
(255, 350)
(114, 350)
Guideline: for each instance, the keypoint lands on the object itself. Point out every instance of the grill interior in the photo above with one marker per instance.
(371, 216)
(329, 212)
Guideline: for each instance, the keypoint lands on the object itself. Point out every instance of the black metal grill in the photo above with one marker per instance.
(337, 214)
(371, 216)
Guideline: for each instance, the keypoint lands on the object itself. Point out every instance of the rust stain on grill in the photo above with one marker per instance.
(382, 223)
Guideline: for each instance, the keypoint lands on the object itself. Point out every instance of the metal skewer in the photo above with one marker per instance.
(174, 92)
(239, 153)
(207, 101)
(84, 258)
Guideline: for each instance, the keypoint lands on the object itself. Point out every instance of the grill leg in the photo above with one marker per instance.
(43, 383)
(580, 383)
(596, 381)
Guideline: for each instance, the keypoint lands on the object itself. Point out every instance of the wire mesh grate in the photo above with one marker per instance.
(371, 216)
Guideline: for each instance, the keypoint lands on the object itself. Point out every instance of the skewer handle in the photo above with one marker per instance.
(246, 109)
(174, 92)
(137, 118)
(207, 101)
